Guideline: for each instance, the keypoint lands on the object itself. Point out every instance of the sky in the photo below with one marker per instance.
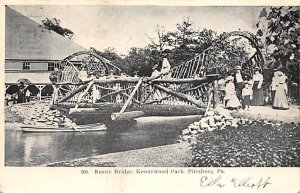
(124, 26)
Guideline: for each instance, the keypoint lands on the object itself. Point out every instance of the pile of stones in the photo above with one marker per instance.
(214, 120)
(39, 114)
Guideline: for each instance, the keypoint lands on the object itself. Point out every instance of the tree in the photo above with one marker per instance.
(54, 25)
(111, 55)
(279, 28)
(139, 61)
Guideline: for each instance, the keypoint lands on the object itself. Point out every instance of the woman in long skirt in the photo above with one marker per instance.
(232, 101)
(280, 99)
(258, 94)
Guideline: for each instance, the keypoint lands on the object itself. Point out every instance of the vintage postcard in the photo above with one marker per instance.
(140, 96)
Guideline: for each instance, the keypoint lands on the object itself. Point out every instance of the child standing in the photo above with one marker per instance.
(247, 95)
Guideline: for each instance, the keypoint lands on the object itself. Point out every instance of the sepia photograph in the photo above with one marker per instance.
(137, 96)
(151, 86)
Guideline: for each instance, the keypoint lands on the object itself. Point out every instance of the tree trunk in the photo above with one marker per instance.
(74, 92)
(127, 115)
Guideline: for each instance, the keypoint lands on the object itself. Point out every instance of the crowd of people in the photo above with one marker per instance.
(241, 93)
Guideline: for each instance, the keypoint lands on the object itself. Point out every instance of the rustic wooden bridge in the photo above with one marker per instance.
(188, 88)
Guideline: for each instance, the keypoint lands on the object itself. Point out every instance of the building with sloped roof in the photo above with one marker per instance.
(32, 53)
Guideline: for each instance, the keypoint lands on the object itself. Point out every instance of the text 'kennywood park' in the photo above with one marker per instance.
(191, 97)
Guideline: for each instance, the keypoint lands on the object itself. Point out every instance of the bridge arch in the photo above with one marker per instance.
(258, 58)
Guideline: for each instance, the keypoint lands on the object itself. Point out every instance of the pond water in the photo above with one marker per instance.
(29, 149)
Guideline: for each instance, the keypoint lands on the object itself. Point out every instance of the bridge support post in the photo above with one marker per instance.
(216, 94)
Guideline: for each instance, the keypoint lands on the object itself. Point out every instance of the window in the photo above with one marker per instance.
(26, 66)
(53, 65)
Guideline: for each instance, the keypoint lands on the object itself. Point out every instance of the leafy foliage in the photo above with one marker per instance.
(279, 28)
(180, 46)
(54, 25)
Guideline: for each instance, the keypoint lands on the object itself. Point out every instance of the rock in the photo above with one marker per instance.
(219, 123)
(42, 120)
(185, 132)
(235, 125)
(192, 141)
(197, 123)
(222, 127)
(204, 125)
(185, 137)
(193, 127)
(204, 122)
(49, 123)
(235, 121)
(211, 128)
(210, 113)
(55, 124)
(56, 119)
(50, 118)
(27, 122)
(228, 123)
(211, 121)
(229, 117)
(218, 117)
(194, 132)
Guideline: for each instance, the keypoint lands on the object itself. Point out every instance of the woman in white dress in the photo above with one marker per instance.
(230, 95)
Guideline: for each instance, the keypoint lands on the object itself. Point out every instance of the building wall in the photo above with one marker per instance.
(41, 77)
(13, 65)
(18, 65)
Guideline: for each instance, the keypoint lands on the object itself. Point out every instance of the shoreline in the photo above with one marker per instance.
(174, 155)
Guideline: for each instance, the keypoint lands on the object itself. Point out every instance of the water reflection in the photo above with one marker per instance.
(26, 149)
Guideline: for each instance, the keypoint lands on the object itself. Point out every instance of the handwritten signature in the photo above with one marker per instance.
(245, 182)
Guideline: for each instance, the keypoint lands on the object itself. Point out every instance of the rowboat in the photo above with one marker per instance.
(51, 129)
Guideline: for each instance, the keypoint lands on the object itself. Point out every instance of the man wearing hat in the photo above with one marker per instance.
(239, 81)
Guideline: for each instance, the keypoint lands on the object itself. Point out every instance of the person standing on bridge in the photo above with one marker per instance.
(165, 69)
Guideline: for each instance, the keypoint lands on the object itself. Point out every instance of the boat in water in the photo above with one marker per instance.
(51, 129)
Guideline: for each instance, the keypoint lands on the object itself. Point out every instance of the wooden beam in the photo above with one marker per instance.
(179, 95)
(150, 80)
(74, 92)
(184, 80)
(127, 115)
(131, 95)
